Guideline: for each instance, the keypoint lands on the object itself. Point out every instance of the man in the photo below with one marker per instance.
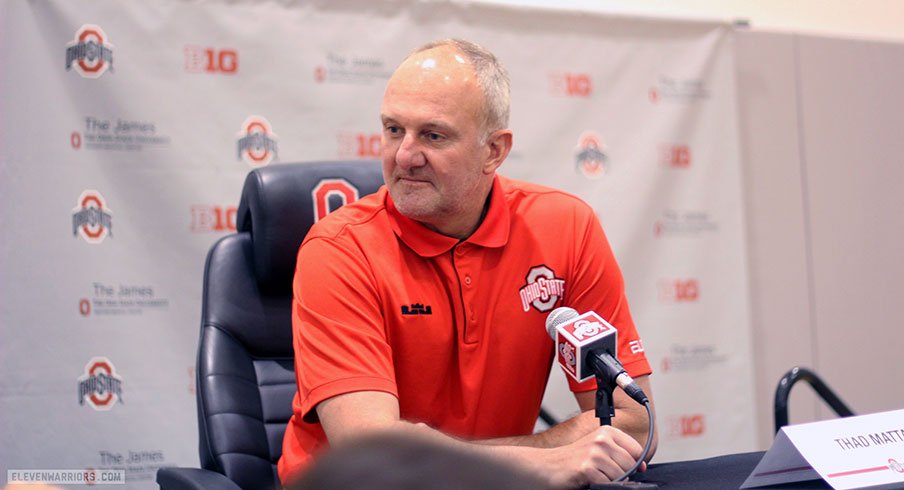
(421, 308)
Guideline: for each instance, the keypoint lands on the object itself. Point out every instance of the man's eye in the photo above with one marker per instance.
(434, 137)
(393, 130)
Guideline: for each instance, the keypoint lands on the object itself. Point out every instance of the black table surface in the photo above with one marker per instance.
(721, 472)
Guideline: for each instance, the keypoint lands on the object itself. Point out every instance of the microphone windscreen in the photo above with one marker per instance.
(559, 316)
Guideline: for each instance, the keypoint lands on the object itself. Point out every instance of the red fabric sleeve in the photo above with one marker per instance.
(339, 337)
(597, 285)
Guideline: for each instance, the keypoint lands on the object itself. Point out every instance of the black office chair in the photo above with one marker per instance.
(245, 372)
(783, 392)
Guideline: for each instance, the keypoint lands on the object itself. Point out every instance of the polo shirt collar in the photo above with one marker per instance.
(493, 231)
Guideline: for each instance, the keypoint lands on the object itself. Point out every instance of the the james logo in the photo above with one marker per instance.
(257, 143)
(100, 387)
(90, 54)
(91, 218)
(543, 289)
(590, 158)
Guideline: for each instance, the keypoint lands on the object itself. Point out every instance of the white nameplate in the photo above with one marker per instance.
(852, 452)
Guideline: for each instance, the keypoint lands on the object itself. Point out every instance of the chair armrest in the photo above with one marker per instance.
(193, 479)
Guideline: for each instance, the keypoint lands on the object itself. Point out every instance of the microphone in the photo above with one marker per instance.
(585, 347)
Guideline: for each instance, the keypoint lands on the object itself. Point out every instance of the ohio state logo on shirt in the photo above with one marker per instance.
(543, 289)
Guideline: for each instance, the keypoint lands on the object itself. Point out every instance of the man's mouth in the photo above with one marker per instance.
(413, 180)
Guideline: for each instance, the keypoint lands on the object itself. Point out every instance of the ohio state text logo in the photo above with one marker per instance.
(328, 188)
(100, 387)
(257, 143)
(91, 218)
(543, 289)
(589, 157)
(89, 53)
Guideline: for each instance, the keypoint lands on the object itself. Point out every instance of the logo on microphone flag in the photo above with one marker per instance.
(574, 339)
(567, 358)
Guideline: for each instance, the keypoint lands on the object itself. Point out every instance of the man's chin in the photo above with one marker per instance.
(416, 209)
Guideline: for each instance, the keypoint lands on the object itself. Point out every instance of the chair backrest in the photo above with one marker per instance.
(245, 371)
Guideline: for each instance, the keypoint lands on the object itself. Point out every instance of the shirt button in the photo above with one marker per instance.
(459, 250)
(467, 280)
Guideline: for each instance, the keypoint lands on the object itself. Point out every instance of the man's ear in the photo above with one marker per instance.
(499, 144)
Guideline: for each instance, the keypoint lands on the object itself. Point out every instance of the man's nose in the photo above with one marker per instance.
(410, 154)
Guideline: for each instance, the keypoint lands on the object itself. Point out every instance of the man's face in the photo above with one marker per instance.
(434, 163)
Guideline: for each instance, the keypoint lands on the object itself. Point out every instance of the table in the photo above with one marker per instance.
(718, 473)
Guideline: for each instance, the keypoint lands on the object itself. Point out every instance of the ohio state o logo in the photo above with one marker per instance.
(327, 188)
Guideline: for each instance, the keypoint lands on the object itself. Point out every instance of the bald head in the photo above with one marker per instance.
(490, 75)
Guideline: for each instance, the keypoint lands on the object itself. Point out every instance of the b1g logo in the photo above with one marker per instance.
(100, 386)
(211, 219)
(257, 143)
(339, 190)
(679, 290)
(90, 54)
(590, 158)
(91, 218)
(543, 289)
(211, 60)
(675, 156)
(691, 425)
(571, 84)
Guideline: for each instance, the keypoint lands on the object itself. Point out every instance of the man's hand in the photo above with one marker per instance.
(630, 416)
(601, 456)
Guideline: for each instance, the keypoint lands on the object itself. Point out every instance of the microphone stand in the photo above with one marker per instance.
(605, 410)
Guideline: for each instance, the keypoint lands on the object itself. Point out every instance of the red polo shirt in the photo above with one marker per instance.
(454, 329)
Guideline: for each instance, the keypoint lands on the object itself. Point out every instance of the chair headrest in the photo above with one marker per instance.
(278, 207)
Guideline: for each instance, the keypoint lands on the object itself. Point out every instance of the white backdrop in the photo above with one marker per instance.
(126, 130)
(821, 121)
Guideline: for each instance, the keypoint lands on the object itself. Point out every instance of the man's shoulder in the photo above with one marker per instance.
(366, 215)
(529, 196)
